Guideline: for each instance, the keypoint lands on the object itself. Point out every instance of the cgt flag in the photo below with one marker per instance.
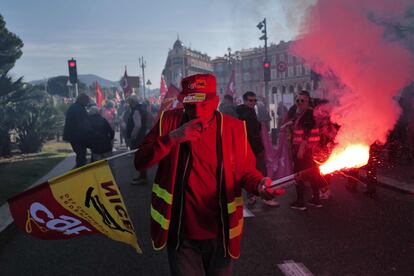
(99, 95)
(82, 202)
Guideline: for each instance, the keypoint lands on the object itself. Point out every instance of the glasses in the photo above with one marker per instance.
(252, 100)
(300, 100)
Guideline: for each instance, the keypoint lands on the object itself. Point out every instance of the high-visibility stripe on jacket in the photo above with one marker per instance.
(299, 136)
(237, 171)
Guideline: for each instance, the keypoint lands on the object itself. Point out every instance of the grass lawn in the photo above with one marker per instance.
(22, 170)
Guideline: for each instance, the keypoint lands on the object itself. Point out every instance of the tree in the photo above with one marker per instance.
(10, 91)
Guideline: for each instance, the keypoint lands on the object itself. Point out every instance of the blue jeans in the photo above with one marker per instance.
(199, 257)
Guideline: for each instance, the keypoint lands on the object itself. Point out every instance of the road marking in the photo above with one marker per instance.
(247, 213)
(291, 268)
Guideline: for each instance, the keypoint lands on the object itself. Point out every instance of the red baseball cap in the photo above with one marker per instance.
(198, 88)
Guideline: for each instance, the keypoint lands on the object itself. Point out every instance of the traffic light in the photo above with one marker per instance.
(73, 73)
(266, 70)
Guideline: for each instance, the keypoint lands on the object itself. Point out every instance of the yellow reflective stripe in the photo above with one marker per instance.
(162, 193)
(160, 123)
(231, 207)
(237, 230)
(155, 215)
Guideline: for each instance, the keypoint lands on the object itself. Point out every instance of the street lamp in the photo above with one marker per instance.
(149, 83)
(143, 64)
(266, 64)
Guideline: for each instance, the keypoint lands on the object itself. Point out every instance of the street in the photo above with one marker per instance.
(351, 235)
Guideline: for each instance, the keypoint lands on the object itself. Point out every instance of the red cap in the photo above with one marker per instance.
(197, 88)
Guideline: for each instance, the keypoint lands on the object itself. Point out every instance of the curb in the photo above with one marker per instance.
(392, 184)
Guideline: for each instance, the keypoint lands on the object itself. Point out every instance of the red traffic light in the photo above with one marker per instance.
(266, 65)
(72, 63)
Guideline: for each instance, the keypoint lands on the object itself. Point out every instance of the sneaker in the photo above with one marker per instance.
(298, 206)
(138, 181)
(325, 194)
(271, 202)
(251, 200)
(315, 203)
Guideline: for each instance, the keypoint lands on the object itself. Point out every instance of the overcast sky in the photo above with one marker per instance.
(106, 35)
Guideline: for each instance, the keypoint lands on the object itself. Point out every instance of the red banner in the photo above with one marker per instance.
(99, 95)
(39, 214)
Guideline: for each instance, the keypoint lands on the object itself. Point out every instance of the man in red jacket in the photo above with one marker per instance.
(204, 162)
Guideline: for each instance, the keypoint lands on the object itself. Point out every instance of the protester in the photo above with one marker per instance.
(204, 162)
(109, 113)
(137, 126)
(101, 137)
(120, 114)
(305, 136)
(76, 129)
(228, 107)
(247, 113)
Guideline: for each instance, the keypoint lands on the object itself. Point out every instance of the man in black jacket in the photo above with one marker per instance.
(247, 113)
(136, 129)
(76, 128)
(102, 135)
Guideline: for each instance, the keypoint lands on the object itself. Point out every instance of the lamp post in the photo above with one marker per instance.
(266, 64)
(232, 59)
(149, 83)
(143, 64)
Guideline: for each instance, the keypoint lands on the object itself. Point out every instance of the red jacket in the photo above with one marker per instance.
(237, 170)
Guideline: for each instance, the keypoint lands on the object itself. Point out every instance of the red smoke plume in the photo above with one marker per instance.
(343, 38)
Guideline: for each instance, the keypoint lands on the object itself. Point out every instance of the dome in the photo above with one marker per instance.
(178, 44)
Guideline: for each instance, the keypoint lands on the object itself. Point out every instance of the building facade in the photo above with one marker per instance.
(289, 74)
(182, 62)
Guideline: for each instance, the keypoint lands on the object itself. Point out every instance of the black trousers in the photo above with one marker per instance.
(80, 150)
(313, 176)
(199, 257)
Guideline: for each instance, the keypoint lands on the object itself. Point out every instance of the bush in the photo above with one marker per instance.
(36, 120)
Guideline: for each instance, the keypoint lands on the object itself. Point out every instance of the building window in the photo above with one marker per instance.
(282, 57)
(219, 67)
(273, 74)
(256, 76)
(246, 64)
(290, 72)
(298, 70)
(307, 69)
(273, 59)
(290, 58)
(246, 76)
(255, 63)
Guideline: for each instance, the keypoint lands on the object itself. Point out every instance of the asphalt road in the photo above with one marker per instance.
(350, 235)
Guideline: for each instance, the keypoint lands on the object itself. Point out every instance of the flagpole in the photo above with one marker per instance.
(121, 154)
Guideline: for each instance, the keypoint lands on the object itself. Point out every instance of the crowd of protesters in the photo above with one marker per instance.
(88, 127)
(206, 157)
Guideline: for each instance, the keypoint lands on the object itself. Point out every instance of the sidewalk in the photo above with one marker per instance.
(401, 180)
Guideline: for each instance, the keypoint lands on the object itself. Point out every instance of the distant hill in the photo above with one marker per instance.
(91, 78)
(88, 79)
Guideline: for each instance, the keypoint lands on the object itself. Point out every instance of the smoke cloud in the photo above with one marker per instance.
(349, 41)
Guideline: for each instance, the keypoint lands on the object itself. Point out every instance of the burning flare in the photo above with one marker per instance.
(353, 156)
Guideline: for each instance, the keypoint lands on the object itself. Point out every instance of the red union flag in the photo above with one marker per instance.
(99, 95)
(125, 85)
(82, 202)
(231, 86)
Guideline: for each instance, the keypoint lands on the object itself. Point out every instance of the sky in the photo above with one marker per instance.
(104, 36)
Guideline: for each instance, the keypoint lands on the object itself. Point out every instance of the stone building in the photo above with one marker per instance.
(183, 61)
(289, 74)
